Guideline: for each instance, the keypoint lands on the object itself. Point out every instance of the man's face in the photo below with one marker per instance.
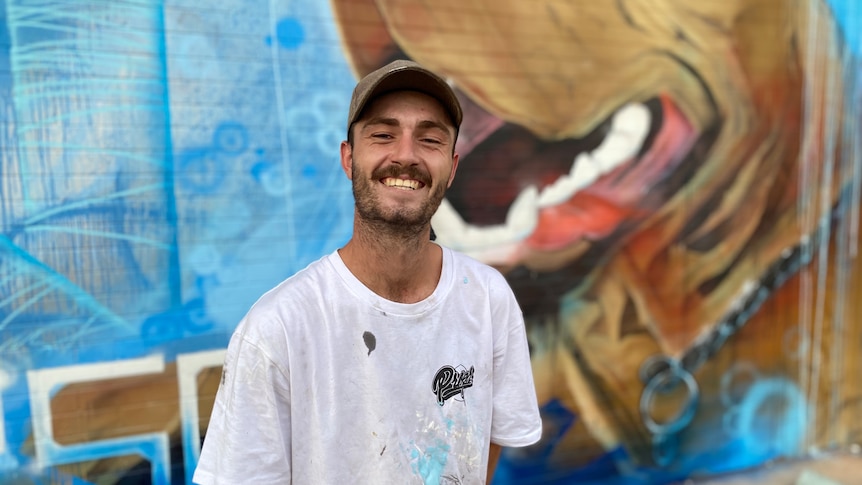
(402, 160)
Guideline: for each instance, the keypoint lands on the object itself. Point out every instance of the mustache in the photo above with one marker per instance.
(396, 171)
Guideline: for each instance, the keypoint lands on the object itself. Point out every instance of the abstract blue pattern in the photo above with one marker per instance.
(163, 164)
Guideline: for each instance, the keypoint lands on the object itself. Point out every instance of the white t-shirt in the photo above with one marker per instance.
(325, 382)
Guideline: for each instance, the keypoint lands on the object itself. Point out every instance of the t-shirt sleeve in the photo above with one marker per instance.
(248, 438)
(516, 420)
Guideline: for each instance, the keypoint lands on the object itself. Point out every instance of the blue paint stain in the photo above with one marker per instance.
(772, 418)
(289, 33)
(430, 464)
(466, 280)
(230, 138)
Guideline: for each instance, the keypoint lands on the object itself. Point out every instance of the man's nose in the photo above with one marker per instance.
(405, 152)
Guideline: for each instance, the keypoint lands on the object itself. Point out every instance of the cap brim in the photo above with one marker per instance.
(412, 78)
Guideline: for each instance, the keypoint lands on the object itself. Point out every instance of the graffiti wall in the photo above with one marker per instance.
(671, 188)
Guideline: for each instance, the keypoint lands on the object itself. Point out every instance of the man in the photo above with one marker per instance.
(393, 359)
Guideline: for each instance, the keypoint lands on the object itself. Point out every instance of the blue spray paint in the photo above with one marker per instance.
(431, 462)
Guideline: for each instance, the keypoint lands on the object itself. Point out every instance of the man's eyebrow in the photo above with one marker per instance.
(429, 124)
(382, 121)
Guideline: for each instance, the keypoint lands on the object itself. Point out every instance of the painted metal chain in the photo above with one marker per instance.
(662, 374)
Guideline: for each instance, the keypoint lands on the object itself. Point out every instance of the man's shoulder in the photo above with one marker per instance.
(299, 287)
(310, 275)
(490, 281)
(467, 263)
(286, 308)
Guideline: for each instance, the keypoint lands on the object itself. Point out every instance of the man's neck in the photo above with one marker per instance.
(397, 265)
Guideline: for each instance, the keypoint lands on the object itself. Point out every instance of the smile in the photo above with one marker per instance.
(404, 184)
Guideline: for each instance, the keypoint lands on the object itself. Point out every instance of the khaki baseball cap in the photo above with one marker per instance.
(398, 76)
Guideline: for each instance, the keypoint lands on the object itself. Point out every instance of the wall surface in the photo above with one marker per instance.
(671, 188)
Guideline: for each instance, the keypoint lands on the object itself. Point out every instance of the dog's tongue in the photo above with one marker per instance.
(584, 216)
(597, 211)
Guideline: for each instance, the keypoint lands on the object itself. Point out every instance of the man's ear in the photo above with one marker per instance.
(347, 159)
(455, 158)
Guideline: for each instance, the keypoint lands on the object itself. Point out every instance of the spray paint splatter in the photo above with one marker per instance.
(370, 341)
(430, 463)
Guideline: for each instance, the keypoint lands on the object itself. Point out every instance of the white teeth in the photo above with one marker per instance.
(407, 184)
(453, 232)
(523, 214)
(629, 128)
(584, 172)
(633, 119)
(614, 151)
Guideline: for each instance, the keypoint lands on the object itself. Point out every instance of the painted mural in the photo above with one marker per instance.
(671, 188)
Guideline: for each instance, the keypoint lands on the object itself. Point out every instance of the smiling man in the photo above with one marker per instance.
(393, 359)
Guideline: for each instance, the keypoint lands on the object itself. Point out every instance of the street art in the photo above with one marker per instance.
(657, 177)
(673, 191)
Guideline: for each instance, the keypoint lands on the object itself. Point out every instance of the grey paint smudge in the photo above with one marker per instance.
(370, 341)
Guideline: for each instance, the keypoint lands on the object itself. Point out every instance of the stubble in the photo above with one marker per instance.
(399, 220)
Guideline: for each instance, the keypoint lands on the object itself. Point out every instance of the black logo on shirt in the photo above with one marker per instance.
(449, 382)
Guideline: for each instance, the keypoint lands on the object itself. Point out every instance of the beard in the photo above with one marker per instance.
(369, 209)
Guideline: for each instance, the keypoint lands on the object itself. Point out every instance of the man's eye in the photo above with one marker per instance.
(432, 140)
(384, 136)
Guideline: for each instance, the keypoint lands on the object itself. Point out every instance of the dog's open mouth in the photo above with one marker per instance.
(516, 194)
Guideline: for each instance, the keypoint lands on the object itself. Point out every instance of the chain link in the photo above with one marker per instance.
(662, 374)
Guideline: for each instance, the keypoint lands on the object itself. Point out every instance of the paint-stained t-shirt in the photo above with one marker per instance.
(327, 382)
